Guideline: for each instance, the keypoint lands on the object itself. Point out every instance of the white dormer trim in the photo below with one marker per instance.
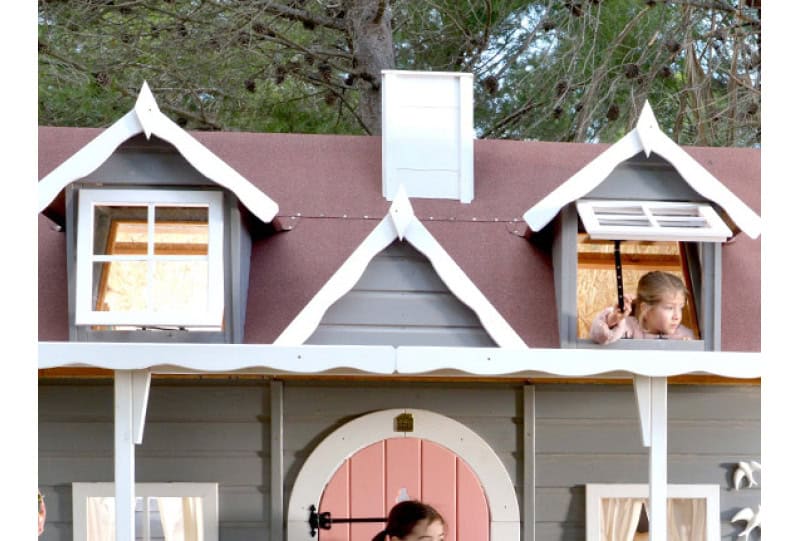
(646, 137)
(146, 118)
(399, 223)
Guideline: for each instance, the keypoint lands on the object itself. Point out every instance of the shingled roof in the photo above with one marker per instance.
(328, 189)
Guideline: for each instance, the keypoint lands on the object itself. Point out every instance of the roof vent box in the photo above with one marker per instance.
(427, 137)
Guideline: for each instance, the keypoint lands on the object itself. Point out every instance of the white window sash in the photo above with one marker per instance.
(207, 492)
(85, 314)
(650, 224)
(596, 493)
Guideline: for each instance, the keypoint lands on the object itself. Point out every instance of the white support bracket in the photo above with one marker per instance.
(651, 399)
(641, 388)
(141, 394)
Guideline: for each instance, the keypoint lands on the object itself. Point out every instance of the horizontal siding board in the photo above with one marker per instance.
(175, 437)
(554, 531)
(400, 309)
(243, 504)
(406, 336)
(502, 432)
(565, 504)
(620, 436)
(218, 402)
(618, 401)
(241, 532)
(248, 470)
(400, 274)
(464, 400)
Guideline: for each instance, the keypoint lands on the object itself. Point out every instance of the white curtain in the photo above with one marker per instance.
(686, 519)
(181, 518)
(100, 519)
(619, 518)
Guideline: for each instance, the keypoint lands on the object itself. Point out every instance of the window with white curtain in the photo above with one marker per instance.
(164, 512)
(618, 512)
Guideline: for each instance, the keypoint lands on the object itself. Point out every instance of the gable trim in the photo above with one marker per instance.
(399, 223)
(146, 118)
(646, 137)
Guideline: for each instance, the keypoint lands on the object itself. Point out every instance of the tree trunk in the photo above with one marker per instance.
(370, 27)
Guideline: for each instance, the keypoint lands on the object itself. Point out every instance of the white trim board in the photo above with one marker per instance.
(388, 360)
(146, 118)
(326, 458)
(646, 137)
(399, 223)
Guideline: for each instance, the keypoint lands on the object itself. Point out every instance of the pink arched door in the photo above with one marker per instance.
(371, 481)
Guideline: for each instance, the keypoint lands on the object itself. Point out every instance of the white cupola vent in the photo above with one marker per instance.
(427, 134)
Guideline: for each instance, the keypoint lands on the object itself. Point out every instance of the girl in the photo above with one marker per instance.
(412, 521)
(655, 312)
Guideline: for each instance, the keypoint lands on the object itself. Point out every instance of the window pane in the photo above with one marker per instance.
(121, 286)
(181, 230)
(597, 279)
(180, 285)
(109, 239)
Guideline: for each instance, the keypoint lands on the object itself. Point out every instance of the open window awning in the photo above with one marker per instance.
(652, 220)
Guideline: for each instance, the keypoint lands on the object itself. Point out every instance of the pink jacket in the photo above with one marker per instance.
(629, 328)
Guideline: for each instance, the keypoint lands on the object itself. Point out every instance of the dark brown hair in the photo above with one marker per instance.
(404, 516)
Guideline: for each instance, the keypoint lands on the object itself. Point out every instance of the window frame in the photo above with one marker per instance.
(208, 492)
(596, 492)
(88, 198)
(704, 262)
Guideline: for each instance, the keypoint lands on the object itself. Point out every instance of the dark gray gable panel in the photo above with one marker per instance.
(400, 301)
(645, 178)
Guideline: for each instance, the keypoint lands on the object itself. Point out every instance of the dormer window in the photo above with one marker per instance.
(664, 211)
(149, 259)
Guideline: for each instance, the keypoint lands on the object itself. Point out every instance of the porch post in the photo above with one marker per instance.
(651, 397)
(124, 480)
(131, 392)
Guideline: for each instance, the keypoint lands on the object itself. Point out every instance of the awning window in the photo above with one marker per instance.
(652, 220)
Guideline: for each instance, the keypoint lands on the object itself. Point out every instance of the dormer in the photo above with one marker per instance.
(427, 134)
(643, 204)
(158, 233)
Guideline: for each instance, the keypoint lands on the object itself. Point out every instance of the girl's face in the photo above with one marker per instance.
(424, 532)
(665, 316)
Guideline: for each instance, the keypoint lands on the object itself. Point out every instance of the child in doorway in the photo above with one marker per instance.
(656, 312)
(412, 521)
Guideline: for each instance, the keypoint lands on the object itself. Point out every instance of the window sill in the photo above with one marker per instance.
(646, 344)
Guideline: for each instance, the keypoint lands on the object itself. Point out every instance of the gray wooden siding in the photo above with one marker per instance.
(589, 434)
(645, 178)
(195, 432)
(400, 300)
(218, 431)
